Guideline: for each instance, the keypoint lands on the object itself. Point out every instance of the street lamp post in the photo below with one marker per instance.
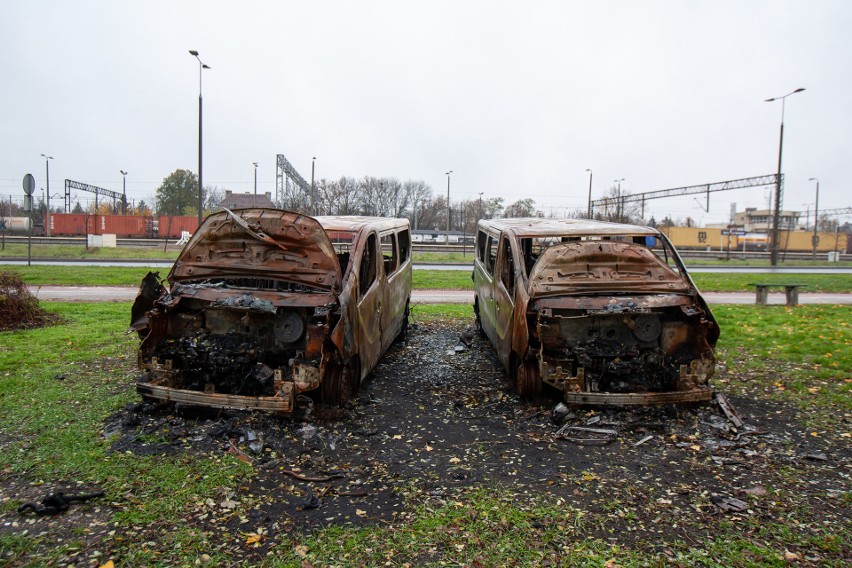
(201, 67)
(620, 209)
(255, 183)
(589, 211)
(776, 217)
(815, 238)
(47, 182)
(480, 204)
(313, 192)
(447, 239)
(123, 192)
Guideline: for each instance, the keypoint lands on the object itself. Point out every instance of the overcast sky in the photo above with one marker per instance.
(517, 98)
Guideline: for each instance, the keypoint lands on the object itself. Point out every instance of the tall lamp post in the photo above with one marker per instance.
(47, 182)
(447, 239)
(815, 238)
(123, 192)
(589, 212)
(201, 67)
(776, 217)
(620, 208)
(255, 183)
(313, 193)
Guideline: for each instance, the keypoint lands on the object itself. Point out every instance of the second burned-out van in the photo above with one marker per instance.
(604, 312)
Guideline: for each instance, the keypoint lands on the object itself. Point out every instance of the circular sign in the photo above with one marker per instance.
(29, 184)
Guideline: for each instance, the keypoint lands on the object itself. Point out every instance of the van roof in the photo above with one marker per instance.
(356, 223)
(538, 227)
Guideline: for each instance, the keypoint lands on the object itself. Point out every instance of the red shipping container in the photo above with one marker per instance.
(70, 224)
(173, 226)
(122, 226)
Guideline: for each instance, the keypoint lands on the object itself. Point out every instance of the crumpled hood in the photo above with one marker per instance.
(592, 267)
(260, 243)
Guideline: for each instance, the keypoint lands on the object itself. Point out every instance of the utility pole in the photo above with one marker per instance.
(47, 184)
(447, 239)
(815, 238)
(313, 192)
(589, 211)
(255, 183)
(123, 192)
(776, 218)
(201, 67)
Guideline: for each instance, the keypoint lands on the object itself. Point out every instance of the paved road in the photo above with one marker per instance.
(124, 294)
(166, 264)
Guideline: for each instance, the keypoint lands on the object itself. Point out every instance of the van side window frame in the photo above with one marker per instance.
(367, 273)
(491, 255)
(404, 240)
(389, 262)
(507, 267)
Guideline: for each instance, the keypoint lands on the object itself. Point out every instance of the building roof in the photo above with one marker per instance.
(246, 200)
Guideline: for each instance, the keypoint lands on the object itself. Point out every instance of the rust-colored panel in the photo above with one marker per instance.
(301, 253)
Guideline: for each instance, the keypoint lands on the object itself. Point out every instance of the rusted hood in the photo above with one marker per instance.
(260, 243)
(603, 267)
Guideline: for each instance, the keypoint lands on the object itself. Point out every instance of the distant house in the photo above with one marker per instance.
(760, 220)
(246, 200)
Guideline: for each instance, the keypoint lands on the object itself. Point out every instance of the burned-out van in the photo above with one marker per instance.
(263, 305)
(604, 312)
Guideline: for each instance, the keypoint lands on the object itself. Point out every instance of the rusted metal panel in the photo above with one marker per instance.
(605, 313)
(261, 306)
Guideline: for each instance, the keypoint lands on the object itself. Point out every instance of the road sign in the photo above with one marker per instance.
(29, 184)
(737, 232)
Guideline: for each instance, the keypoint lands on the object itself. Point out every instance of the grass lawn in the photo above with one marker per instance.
(58, 385)
(422, 279)
(17, 250)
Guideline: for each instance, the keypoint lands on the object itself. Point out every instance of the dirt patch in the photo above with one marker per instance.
(19, 309)
(438, 417)
(437, 420)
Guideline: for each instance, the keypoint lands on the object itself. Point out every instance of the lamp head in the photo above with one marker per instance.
(193, 52)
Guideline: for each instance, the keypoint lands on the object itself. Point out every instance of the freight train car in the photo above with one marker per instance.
(16, 225)
(81, 224)
(173, 226)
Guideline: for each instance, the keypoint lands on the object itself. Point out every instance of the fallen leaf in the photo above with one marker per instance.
(109, 564)
(253, 538)
(360, 512)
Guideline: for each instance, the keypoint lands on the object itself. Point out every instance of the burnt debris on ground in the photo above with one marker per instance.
(19, 309)
(437, 419)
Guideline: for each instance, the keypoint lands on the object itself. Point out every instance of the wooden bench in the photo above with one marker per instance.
(791, 290)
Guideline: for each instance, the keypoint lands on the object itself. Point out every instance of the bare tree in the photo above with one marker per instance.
(521, 208)
(213, 196)
(616, 208)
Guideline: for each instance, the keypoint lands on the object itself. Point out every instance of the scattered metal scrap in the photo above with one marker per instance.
(728, 409)
(592, 437)
(56, 503)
